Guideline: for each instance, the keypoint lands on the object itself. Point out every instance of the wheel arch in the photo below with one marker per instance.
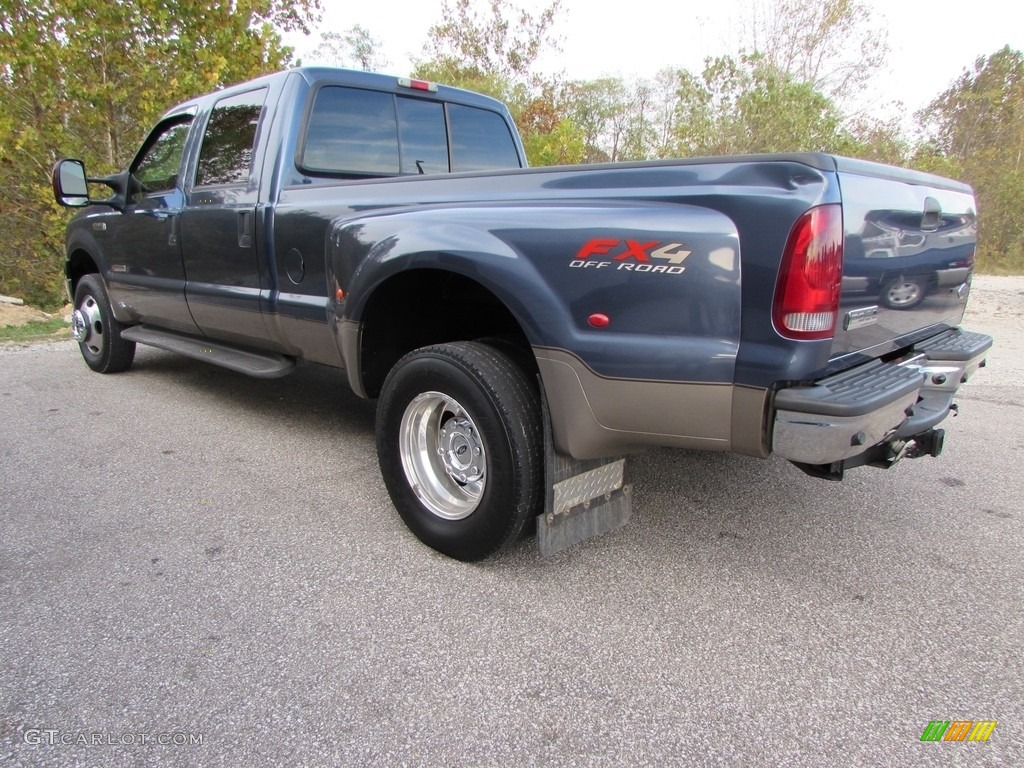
(405, 278)
(79, 263)
(422, 306)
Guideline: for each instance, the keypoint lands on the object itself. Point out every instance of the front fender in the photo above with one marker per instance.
(81, 245)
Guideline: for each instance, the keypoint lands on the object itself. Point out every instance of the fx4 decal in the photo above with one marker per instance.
(632, 256)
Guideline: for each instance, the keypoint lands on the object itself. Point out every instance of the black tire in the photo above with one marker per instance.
(903, 292)
(460, 447)
(97, 330)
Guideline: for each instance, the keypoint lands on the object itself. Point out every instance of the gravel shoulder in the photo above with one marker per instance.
(996, 307)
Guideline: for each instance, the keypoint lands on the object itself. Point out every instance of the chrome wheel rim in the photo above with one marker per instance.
(87, 325)
(443, 455)
(901, 294)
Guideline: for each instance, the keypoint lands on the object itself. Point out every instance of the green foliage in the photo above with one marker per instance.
(747, 105)
(976, 133)
(503, 40)
(599, 109)
(356, 48)
(833, 46)
(494, 52)
(87, 79)
(34, 329)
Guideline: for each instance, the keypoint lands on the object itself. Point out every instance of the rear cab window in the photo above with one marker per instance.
(226, 156)
(360, 133)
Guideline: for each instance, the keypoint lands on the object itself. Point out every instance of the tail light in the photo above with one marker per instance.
(807, 294)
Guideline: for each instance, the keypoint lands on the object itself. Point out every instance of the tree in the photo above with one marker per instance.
(600, 109)
(494, 51)
(833, 46)
(87, 79)
(356, 48)
(749, 105)
(975, 131)
(503, 41)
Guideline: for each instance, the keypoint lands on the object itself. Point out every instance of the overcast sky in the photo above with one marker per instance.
(930, 42)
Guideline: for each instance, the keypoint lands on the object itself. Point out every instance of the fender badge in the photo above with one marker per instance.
(858, 318)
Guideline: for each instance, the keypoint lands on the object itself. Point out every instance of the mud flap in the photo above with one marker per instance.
(582, 498)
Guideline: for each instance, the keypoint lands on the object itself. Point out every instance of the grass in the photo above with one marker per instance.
(33, 330)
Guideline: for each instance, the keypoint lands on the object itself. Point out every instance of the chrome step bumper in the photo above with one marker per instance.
(847, 414)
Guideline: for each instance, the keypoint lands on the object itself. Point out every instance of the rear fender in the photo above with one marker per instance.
(666, 277)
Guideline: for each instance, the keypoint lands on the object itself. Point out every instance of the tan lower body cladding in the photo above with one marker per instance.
(593, 416)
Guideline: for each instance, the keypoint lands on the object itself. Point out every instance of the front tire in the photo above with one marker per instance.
(97, 331)
(460, 447)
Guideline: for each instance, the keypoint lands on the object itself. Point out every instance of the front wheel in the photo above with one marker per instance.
(97, 331)
(460, 447)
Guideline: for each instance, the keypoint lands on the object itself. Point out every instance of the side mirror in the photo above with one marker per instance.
(70, 186)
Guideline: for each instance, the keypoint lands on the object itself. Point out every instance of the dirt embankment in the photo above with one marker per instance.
(18, 314)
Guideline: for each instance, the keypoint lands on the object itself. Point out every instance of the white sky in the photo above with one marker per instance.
(930, 42)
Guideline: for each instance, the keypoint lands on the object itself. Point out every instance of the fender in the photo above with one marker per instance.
(666, 277)
(358, 262)
(80, 237)
(673, 317)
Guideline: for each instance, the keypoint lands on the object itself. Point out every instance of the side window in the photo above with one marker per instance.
(480, 140)
(227, 151)
(158, 165)
(351, 131)
(422, 135)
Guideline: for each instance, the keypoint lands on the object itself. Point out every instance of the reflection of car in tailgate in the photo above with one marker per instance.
(902, 259)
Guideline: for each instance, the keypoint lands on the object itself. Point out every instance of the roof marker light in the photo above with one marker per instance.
(418, 85)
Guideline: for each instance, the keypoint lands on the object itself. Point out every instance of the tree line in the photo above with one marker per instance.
(86, 79)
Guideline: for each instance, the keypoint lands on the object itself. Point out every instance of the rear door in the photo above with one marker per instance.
(218, 225)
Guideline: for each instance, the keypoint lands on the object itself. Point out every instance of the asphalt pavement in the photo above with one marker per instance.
(201, 569)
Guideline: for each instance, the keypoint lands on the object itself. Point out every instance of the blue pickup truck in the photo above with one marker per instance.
(524, 329)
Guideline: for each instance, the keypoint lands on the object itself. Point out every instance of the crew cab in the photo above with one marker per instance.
(524, 329)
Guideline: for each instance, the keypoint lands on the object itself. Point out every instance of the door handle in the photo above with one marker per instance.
(245, 221)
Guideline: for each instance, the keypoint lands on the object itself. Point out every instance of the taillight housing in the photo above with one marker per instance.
(807, 294)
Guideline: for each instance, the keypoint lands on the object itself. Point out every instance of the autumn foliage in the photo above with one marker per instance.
(87, 79)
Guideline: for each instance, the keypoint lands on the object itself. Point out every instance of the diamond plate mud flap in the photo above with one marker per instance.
(583, 499)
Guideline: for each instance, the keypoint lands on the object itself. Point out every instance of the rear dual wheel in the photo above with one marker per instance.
(460, 447)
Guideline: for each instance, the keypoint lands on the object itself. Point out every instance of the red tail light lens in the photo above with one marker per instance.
(807, 294)
(417, 85)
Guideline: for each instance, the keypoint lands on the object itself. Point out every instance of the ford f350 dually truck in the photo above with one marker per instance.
(523, 329)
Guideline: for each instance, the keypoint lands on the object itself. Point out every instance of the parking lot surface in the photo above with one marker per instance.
(200, 569)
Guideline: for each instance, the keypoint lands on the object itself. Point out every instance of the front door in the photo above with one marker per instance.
(146, 278)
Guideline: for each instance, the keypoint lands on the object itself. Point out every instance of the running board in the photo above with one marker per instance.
(262, 365)
(582, 499)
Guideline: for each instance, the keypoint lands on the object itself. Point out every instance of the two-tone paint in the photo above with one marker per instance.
(354, 273)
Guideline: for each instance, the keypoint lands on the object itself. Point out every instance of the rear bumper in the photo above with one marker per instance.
(848, 414)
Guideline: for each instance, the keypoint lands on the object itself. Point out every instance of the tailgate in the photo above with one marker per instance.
(908, 256)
